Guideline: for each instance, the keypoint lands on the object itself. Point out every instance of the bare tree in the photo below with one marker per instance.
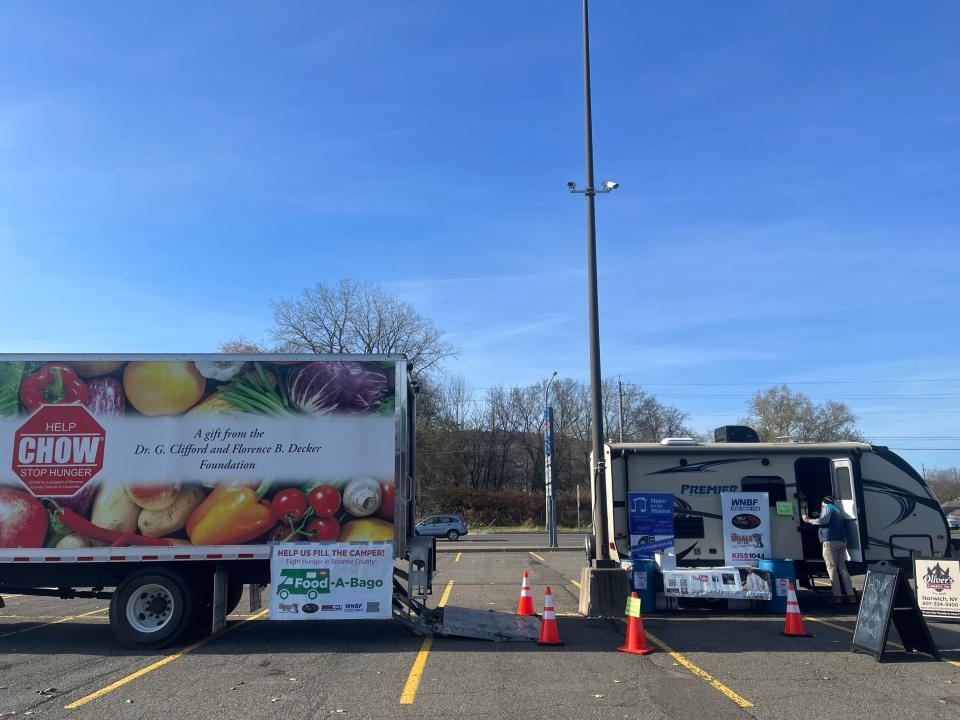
(242, 346)
(645, 419)
(358, 317)
(353, 317)
(944, 482)
(781, 412)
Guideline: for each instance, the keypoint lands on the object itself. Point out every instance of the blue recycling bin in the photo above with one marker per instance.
(781, 572)
(644, 581)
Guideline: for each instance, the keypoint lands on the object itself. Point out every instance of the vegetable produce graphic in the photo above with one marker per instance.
(209, 450)
(52, 384)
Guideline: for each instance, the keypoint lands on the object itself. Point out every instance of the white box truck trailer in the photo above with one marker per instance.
(140, 478)
(891, 512)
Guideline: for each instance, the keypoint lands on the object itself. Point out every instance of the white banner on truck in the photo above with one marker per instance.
(331, 581)
(746, 527)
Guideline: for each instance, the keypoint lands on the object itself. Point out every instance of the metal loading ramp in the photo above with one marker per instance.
(485, 625)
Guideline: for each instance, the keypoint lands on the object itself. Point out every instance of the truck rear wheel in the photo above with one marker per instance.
(150, 608)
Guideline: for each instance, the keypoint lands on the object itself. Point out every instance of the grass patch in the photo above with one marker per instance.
(518, 529)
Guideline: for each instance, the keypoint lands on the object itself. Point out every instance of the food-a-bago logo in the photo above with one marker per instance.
(58, 450)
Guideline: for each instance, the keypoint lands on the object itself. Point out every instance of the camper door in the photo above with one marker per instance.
(842, 472)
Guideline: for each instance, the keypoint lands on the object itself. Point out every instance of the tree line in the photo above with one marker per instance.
(482, 450)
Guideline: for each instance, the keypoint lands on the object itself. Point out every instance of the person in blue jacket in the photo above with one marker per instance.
(834, 540)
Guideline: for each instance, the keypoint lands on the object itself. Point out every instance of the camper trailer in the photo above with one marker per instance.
(891, 513)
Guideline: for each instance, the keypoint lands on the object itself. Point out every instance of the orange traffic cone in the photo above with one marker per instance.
(636, 641)
(794, 624)
(525, 607)
(549, 634)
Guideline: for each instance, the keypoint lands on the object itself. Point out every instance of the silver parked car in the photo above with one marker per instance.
(953, 522)
(448, 525)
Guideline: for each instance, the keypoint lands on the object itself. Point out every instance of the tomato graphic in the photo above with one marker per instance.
(23, 520)
(325, 500)
(289, 505)
(323, 528)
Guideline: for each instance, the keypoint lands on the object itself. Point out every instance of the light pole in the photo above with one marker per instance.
(548, 488)
(600, 549)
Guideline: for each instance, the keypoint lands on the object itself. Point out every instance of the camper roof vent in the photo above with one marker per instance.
(679, 441)
(735, 434)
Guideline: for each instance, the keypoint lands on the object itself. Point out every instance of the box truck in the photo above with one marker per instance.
(891, 513)
(159, 480)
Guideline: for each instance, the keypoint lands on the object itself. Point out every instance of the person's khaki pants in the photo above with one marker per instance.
(835, 556)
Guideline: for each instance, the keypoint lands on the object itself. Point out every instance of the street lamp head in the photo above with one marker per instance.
(610, 185)
(571, 185)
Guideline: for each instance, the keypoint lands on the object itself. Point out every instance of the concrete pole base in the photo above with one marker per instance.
(603, 592)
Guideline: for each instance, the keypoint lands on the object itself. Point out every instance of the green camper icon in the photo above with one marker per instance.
(303, 582)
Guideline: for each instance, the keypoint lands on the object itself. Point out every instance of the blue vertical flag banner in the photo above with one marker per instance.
(548, 431)
(651, 523)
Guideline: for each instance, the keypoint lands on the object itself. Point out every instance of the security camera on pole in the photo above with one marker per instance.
(604, 585)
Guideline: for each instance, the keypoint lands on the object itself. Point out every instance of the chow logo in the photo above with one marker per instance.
(938, 579)
(58, 450)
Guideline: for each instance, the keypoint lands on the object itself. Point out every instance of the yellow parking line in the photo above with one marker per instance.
(848, 630)
(409, 693)
(160, 663)
(836, 627)
(446, 594)
(457, 558)
(38, 617)
(537, 556)
(575, 583)
(698, 671)
(68, 618)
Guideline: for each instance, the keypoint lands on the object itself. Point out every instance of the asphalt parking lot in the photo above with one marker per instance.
(58, 659)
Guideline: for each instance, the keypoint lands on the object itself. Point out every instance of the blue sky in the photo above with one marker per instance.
(788, 211)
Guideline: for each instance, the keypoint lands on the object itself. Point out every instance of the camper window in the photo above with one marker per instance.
(844, 486)
(770, 484)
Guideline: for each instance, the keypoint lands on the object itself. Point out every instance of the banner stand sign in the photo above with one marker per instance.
(746, 527)
(651, 524)
(331, 581)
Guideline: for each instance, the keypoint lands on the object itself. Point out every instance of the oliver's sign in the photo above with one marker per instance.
(938, 587)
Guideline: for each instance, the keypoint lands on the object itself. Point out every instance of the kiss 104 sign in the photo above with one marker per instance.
(58, 450)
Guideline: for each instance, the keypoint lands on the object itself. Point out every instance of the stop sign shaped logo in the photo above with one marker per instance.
(58, 450)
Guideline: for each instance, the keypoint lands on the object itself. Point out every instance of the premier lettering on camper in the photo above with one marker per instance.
(707, 489)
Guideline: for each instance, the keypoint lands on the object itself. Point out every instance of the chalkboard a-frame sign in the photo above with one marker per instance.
(887, 596)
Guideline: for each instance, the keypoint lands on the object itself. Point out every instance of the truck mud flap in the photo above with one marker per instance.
(454, 621)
